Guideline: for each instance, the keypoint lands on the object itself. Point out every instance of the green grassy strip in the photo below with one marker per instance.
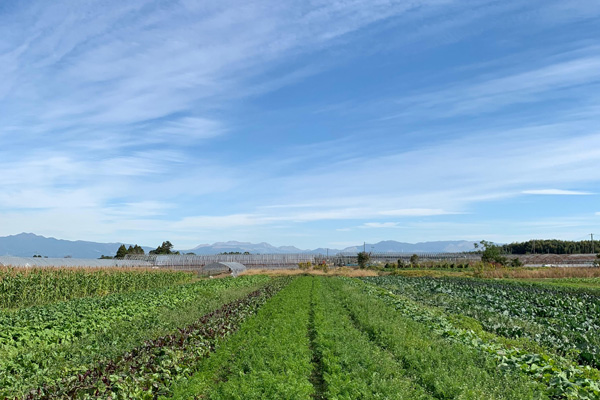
(446, 369)
(268, 358)
(25, 287)
(590, 285)
(562, 378)
(314, 323)
(354, 366)
(32, 367)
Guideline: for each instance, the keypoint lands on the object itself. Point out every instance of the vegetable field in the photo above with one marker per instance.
(308, 337)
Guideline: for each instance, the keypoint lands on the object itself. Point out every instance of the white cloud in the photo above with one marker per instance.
(415, 212)
(381, 225)
(194, 128)
(559, 192)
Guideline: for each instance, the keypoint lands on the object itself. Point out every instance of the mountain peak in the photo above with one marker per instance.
(28, 244)
(26, 235)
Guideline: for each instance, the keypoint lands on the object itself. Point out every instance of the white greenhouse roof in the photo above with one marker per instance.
(68, 262)
(235, 267)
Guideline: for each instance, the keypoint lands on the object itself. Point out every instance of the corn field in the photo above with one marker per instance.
(21, 287)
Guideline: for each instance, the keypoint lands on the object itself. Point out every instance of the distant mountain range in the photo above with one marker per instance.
(388, 246)
(29, 244)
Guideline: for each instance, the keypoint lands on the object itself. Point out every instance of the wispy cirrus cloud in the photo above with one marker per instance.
(562, 79)
(146, 119)
(415, 212)
(557, 192)
(134, 63)
(380, 225)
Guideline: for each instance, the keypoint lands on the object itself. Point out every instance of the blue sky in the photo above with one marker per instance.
(307, 123)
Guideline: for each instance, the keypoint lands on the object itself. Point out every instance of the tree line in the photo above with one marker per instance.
(551, 246)
(123, 251)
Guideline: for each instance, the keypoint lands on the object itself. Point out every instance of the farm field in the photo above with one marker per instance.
(307, 337)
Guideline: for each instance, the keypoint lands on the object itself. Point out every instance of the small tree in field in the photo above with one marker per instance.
(363, 259)
(414, 260)
(491, 253)
(597, 261)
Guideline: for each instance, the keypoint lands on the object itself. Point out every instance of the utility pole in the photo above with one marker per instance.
(364, 247)
(593, 247)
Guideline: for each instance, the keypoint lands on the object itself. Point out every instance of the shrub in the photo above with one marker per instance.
(414, 260)
(305, 265)
(516, 262)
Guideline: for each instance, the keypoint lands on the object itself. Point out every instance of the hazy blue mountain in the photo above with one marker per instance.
(28, 244)
(391, 246)
(388, 246)
(233, 246)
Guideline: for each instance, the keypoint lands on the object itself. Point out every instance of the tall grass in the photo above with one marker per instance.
(23, 287)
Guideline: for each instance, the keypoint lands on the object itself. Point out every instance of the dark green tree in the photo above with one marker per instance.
(121, 252)
(363, 259)
(164, 248)
(136, 250)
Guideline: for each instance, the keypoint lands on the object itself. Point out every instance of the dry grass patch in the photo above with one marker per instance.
(543, 273)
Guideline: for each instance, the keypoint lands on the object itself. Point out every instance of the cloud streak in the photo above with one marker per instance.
(144, 119)
(557, 192)
(561, 80)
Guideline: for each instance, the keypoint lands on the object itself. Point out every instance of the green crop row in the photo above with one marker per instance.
(566, 321)
(38, 343)
(445, 369)
(562, 378)
(354, 367)
(150, 369)
(268, 358)
(261, 338)
(24, 287)
(330, 338)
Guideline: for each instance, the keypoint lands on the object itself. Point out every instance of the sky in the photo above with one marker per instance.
(307, 123)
